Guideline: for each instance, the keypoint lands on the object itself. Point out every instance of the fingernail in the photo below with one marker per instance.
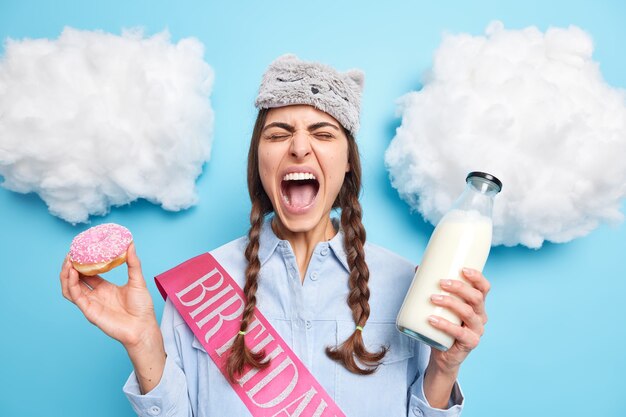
(433, 319)
(446, 282)
(436, 297)
(468, 271)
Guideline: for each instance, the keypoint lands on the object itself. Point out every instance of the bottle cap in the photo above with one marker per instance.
(486, 176)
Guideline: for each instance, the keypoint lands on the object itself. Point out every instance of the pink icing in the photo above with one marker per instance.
(100, 244)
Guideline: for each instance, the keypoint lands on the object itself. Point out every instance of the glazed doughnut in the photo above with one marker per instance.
(100, 248)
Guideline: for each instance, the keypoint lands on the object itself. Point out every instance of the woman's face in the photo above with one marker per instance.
(303, 159)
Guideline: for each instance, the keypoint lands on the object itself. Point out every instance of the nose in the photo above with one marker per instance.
(300, 144)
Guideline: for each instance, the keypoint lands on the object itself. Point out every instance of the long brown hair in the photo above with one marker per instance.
(352, 353)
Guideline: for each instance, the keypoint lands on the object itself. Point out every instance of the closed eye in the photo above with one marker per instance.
(323, 135)
(278, 136)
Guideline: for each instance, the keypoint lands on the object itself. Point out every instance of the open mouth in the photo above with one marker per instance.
(299, 189)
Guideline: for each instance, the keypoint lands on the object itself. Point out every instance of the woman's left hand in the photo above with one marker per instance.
(469, 305)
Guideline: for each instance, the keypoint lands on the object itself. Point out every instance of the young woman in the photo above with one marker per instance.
(331, 296)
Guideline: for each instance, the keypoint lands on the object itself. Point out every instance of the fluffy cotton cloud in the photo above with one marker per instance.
(92, 120)
(529, 107)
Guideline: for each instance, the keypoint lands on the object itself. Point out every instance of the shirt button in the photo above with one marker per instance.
(155, 411)
(314, 276)
(309, 324)
(324, 252)
(417, 411)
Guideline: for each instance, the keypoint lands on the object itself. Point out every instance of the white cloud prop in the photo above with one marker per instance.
(93, 120)
(528, 107)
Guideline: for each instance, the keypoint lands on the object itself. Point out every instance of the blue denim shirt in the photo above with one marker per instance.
(309, 316)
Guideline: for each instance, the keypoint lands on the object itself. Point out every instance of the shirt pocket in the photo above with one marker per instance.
(365, 394)
(212, 385)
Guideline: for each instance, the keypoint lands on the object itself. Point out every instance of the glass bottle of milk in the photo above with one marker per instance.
(462, 238)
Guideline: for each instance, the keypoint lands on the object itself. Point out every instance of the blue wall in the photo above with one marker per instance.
(555, 341)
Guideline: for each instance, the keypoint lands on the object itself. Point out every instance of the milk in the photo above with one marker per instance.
(461, 239)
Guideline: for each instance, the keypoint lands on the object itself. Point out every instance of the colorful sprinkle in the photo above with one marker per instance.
(100, 244)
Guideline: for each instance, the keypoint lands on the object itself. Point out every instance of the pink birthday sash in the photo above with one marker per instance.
(212, 303)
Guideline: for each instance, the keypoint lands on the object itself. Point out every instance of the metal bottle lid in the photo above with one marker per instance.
(486, 176)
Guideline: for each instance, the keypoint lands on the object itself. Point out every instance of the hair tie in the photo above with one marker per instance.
(241, 332)
(359, 328)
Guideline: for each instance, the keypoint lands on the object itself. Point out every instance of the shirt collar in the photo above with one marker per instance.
(336, 244)
(268, 242)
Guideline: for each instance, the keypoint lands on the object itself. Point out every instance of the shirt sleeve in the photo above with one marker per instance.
(170, 397)
(418, 404)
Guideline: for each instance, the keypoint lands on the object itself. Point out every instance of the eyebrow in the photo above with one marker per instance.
(292, 129)
(316, 126)
(282, 125)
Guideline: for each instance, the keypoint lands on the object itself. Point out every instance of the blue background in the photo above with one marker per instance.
(555, 340)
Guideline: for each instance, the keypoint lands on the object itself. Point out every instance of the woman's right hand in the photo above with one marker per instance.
(125, 313)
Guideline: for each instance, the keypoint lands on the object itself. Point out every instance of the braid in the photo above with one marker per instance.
(241, 355)
(353, 348)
